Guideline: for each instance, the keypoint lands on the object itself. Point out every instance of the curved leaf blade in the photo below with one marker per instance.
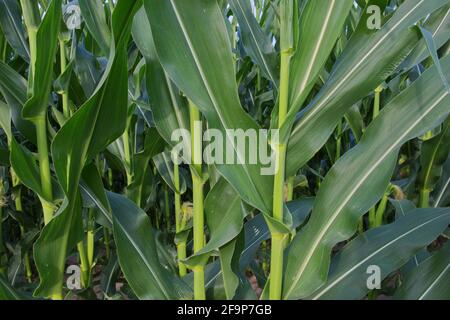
(388, 247)
(192, 64)
(368, 166)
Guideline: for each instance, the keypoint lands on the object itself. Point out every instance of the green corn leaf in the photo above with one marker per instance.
(438, 23)
(355, 121)
(368, 166)
(94, 16)
(194, 64)
(5, 119)
(433, 156)
(137, 254)
(164, 165)
(153, 145)
(368, 59)
(12, 27)
(91, 189)
(442, 194)
(224, 216)
(321, 23)
(429, 281)
(229, 256)
(14, 89)
(7, 292)
(97, 123)
(41, 84)
(257, 44)
(388, 247)
(170, 111)
(26, 168)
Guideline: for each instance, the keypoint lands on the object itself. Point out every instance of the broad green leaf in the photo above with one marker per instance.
(429, 281)
(137, 254)
(256, 231)
(343, 195)
(388, 247)
(258, 45)
(47, 44)
(14, 89)
(96, 124)
(12, 27)
(204, 71)
(25, 165)
(170, 111)
(87, 70)
(94, 16)
(368, 59)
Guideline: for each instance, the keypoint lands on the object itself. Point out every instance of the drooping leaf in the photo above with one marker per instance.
(170, 111)
(137, 254)
(194, 65)
(438, 24)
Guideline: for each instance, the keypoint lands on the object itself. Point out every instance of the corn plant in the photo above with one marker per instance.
(224, 149)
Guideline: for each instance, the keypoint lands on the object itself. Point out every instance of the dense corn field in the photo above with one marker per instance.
(224, 149)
